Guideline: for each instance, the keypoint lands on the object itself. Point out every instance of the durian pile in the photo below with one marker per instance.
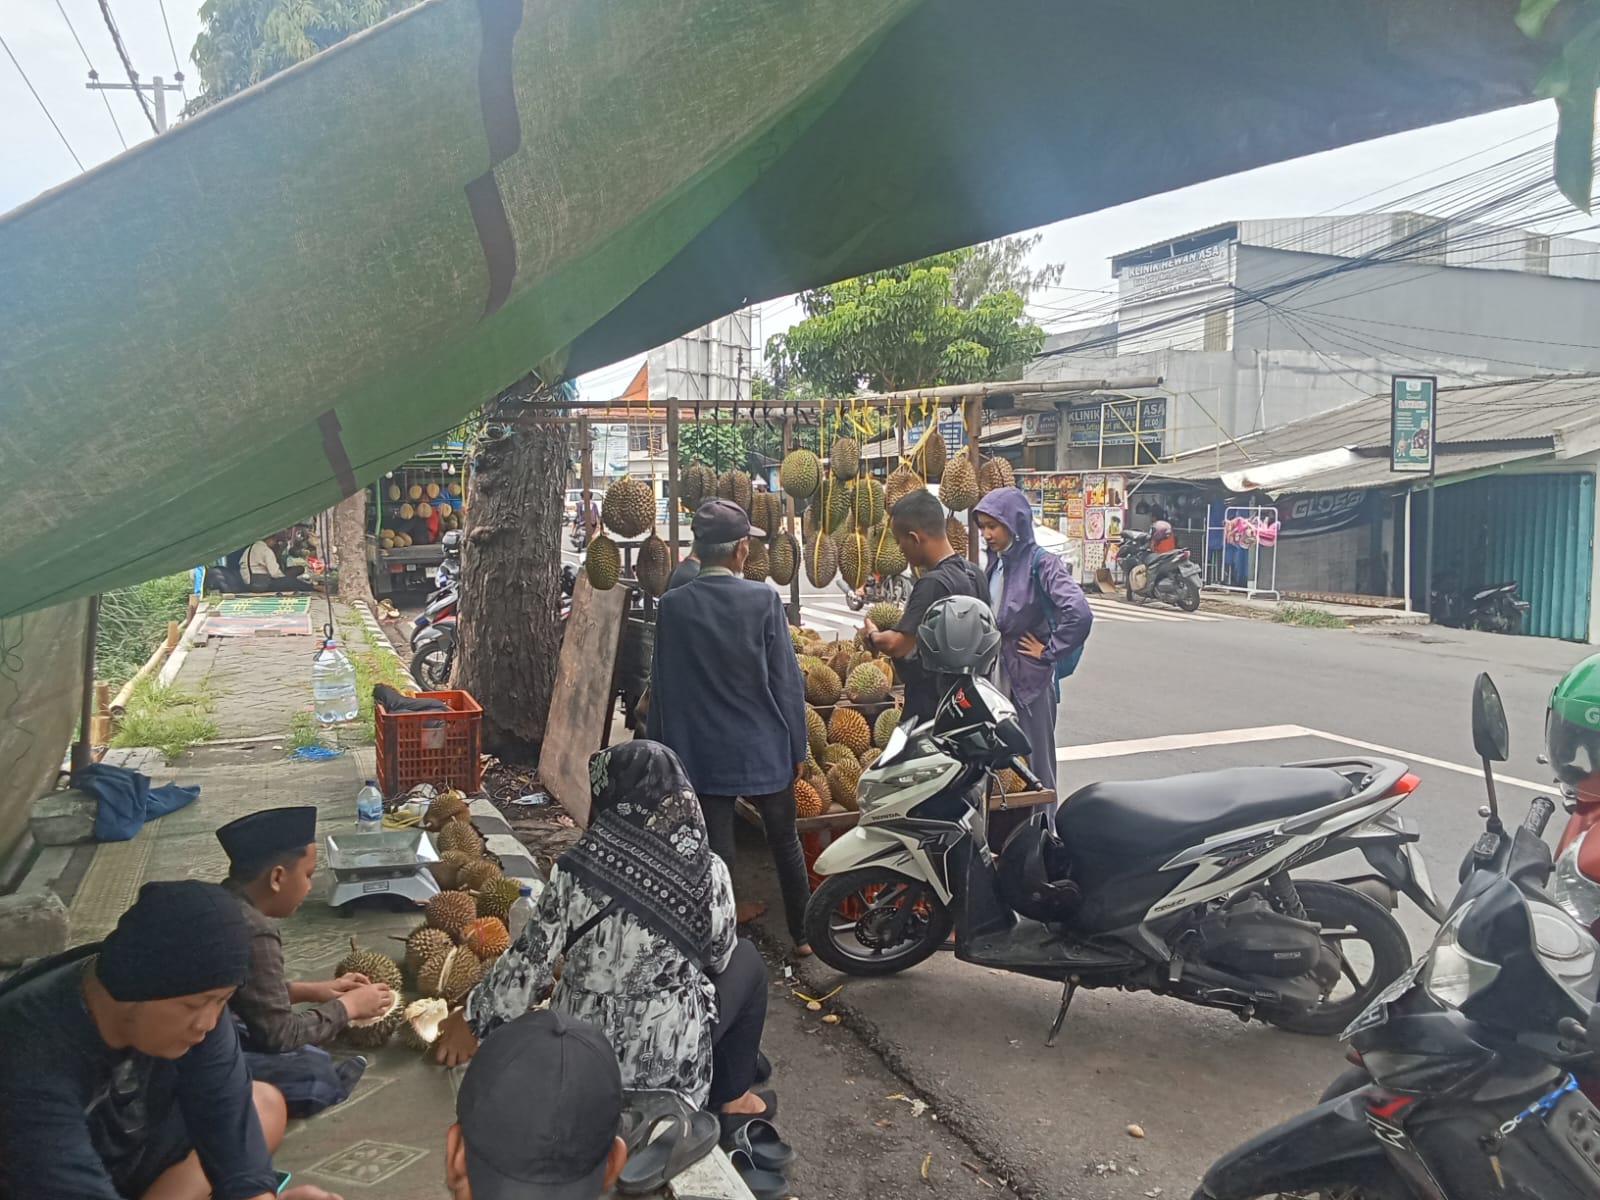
(851, 683)
(419, 501)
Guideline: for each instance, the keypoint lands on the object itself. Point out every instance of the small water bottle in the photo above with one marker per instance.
(521, 912)
(369, 809)
(333, 685)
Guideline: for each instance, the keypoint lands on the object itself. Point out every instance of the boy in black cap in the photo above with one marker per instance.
(557, 1140)
(118, 1075)
(272, 857)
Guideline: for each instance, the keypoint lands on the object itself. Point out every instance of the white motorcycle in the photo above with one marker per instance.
(1179, 886)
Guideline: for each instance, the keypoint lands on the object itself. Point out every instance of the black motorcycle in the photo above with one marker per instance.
(1493, 609)
(1171, 576)
(1465, 1086)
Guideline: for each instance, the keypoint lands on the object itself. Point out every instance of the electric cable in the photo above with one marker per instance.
(127, 64)
(42, 105)
(93, 74)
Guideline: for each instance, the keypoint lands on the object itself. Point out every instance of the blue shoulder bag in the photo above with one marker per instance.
(1068, 663)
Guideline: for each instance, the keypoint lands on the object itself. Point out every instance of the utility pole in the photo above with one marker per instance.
(155, 86)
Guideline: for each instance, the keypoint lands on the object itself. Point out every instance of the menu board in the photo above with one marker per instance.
(1094, 491)
(1054, 491)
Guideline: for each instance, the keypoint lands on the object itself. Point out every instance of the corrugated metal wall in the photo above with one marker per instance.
(1535, 529)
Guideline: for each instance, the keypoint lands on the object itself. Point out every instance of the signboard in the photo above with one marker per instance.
(1311, 513)
(1198, 268)
(1413, 421)
(1040, 425)
(1125, 420)
(951, 427)
(608, 450)
(1055, 491)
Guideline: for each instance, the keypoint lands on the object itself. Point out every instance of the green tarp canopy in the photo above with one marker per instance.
(233, 325)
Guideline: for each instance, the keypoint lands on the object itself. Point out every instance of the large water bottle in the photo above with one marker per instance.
(521, 912)
(333, 685)
(369, 809)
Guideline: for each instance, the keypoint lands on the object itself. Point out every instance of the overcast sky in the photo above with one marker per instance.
(33, 159)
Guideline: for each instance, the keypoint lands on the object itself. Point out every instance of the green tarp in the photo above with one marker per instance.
(231, 326)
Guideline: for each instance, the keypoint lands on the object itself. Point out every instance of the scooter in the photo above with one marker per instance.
(1179, 886)
(1171, 576)
(434, 647)
(1493, 609)
(441, 606)
(891, 589)
(1473, 1064)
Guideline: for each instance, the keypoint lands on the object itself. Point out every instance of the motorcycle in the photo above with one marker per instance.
(1493, 609)
(434, 647)
(1476, 1065)
(441, 606)
(1178, 886)
(879, 589)
(1171, 576)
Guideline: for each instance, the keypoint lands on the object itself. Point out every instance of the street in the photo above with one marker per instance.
(1161, 692)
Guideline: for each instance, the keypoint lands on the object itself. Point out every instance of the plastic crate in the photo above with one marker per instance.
(440, 748)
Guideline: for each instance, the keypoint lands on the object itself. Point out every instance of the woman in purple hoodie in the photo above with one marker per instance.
(1043, 617)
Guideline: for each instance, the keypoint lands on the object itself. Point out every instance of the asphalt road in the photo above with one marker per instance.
(1162, 693)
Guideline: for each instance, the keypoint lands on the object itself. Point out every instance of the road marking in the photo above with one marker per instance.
(1178, 741)
(1105, 605)
(1408, 757)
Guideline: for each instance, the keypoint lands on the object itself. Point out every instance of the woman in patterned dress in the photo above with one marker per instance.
(643, 912)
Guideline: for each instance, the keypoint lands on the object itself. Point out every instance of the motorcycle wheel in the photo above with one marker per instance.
(431, 667)
(875, 922)
(1138, 580)
(1347, 918)
(1188, 598)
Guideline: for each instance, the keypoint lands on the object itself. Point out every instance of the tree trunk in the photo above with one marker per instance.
(509, 629)
(350, 549)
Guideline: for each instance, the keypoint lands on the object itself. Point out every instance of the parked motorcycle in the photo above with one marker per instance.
(1171, 576)
(1467, 1083)
(1493, 609)
(1179, 886)
(890, 589)
(434, 647)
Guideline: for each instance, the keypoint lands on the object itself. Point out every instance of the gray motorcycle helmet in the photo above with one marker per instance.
(958, 636)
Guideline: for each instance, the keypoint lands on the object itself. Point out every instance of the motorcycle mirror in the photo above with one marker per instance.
(1491, 737)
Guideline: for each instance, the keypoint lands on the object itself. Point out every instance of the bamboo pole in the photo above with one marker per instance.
(673, 493)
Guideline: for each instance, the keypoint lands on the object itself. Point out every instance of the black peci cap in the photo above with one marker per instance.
(719, 521)
(262, 837)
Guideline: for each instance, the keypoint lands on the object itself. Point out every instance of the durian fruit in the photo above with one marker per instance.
(433, 491)
(886, 665)
(885, 615)
(934, 455)
(843, 779)
(653, 565)
(486, 937)
(816, 732)
(845, 458)
(822, 560)
(867, 502)
(735, 485)
(450, 974)
(849, 728)
(393, 493)
(866, 684)
(833, 754)
(420, 1028)
(475, 874)
(884, 726)
(838, 507)
(800, 637)
(955, 529)
(807, 803)
(995, 473)
(422, 944)
(373, 1032)
(766, 513)
(414, 493)
(447, 870)
(424, 510)
(379, 968)
(799, 474)
(496, 897)
(450, 912)
(460, 835)
(455, 490)
(868, 757)
(697, 484)
(629, 508)
(809, 662)
(785, 559)
(902, 482)
(603, 565)
(758, 563)
(444, 808)
(887, 558)
(407, 512)
(855, 559)
(959, 491)
(823, 686)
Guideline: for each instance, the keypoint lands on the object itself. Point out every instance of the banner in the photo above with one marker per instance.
(1413, 419)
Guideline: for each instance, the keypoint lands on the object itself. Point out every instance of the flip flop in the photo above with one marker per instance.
(757, 1138)
(641, 1110)
(673, 1142)
(764, 1185)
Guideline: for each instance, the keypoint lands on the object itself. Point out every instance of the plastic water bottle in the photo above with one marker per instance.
(369, 809)
(333, 685)
(521, 912)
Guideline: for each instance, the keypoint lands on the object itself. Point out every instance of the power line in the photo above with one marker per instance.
(177, 67)
(41, 102)
(127, 64)
(93, 74)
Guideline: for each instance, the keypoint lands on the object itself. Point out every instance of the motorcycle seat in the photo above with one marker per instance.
(1139, 818)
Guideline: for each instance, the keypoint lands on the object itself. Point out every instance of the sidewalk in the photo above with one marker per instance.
(1262, 609)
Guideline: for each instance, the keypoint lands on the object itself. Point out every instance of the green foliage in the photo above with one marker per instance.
(1307, 617)
(716, 440)
(133, 622)
(167, 718)
(903, 328)
(1571, 81)
(302, 730)
(1002, 266)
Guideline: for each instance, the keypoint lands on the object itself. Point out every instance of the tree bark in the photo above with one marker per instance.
(509, 631)
(349, 526)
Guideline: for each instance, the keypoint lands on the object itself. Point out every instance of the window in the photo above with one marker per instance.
(1216, 331)
(1423, 238)
(646, 439)
(1537, 254)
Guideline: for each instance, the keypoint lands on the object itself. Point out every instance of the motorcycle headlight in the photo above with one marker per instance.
(1574, 891)
(1452, 975)
(876, 788)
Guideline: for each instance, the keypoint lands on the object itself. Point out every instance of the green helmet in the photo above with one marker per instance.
(1572, 725)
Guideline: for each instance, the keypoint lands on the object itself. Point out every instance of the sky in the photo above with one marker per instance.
(1354, 178)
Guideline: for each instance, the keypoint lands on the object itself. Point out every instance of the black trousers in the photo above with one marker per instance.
(777, 819)
(741, 1016)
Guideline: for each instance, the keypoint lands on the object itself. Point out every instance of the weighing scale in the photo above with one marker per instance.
(391, 863)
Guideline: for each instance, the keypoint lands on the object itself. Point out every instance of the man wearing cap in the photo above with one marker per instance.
(727, 696)
(556, 1140)
(272, 856)
(118, 1075)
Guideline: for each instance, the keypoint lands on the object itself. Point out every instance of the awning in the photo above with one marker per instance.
(233, 325)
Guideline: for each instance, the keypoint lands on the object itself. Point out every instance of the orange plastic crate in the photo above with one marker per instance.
(441, 748)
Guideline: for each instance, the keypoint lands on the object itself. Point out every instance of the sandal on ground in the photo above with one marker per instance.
(673, 1143)
(641, 1110)
(757, 1138)
(763, 1184)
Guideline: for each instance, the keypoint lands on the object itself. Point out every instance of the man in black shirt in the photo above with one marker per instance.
(918, 523)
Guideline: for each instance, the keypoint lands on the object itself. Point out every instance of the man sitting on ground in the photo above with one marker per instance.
(538, 1115)
(272, 856)
(119, 1076)
(261, 571)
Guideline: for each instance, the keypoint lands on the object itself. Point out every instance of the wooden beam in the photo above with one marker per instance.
(672, 477)
(973, 406)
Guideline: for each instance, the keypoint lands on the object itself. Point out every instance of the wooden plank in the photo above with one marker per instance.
(583, 686)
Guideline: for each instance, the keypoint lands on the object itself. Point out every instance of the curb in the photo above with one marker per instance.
(378, 637)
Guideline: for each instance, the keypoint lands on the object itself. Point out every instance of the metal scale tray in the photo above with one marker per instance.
(391, 862)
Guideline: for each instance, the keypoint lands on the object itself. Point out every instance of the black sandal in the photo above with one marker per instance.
(673, 1143)
(757, 1138)
(763, 1184)
(640, 1112)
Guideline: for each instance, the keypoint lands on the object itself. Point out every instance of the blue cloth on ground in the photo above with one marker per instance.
(126, 799)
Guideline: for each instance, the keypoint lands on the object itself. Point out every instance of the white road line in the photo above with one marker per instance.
(1178, 741)
(1409, 757)
(1107, 606)
(1100, 614)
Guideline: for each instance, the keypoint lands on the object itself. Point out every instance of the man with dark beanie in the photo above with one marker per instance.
(118, 1075)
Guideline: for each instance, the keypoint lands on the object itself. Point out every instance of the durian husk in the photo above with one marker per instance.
(375, 1031)
(420, 1027)
(450, 975)
(447, 870)
(475, 874)
(460, 835)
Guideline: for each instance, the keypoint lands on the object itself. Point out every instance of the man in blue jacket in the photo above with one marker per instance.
(727, 696)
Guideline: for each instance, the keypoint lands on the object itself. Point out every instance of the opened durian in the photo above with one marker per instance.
(379, 968)
(420, 1028)
(451, 974)
(373, 1032)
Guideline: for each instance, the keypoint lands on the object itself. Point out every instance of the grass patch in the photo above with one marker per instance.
(1307, 618)
(167, 718)
(302, 731)
(133, 622)
(372, 668)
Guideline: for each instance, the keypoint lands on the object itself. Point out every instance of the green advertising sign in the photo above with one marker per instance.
(1412, 421)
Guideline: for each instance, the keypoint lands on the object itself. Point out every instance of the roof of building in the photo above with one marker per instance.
(1479, 426)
